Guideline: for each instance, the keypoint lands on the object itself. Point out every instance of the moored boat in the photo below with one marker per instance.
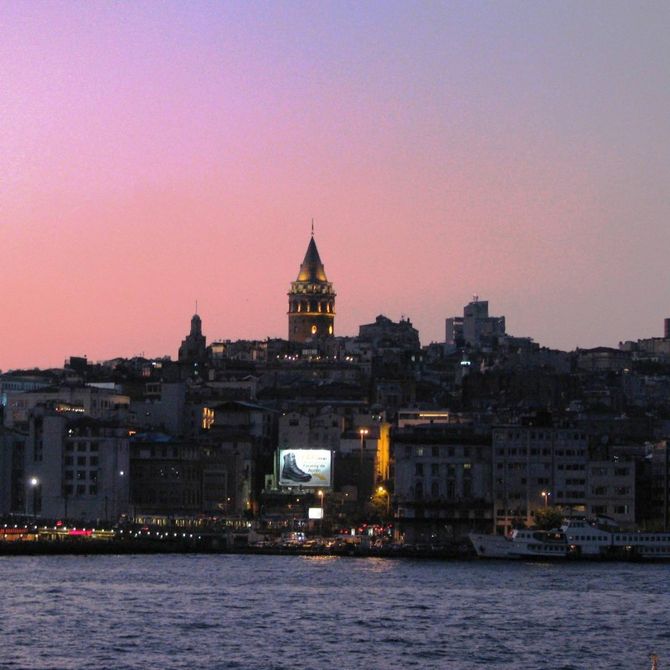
(577, 538)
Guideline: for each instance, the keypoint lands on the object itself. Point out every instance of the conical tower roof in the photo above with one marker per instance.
(311, 269)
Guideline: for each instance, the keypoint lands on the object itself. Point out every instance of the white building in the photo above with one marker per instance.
(75, 468)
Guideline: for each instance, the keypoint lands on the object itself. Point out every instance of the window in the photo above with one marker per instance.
(434, 469)
(81, 460)
(419, 470)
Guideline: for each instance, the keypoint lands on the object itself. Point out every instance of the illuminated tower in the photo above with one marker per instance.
(311, 300)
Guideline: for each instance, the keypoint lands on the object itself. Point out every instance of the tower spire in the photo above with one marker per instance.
(312, 226)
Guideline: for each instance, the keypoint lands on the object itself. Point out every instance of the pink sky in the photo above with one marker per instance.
(155, 154)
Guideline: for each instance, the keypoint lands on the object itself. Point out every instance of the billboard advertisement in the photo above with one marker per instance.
(305, 467)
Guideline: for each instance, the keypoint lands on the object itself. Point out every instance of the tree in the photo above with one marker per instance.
(548, 517)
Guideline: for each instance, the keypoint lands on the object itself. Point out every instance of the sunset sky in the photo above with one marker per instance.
(154, 154)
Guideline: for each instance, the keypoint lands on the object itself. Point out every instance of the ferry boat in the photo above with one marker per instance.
(576, 538)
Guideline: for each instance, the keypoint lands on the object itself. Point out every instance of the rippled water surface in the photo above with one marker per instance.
(288, 612)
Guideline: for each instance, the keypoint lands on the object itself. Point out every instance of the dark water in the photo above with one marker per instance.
(289, 612)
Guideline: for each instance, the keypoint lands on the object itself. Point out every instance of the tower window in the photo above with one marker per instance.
(330, 330)
(314, 330)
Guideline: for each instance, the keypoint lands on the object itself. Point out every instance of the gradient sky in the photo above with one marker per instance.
(152, 154)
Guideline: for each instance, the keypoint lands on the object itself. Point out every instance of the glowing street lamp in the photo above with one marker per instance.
(321, 495)
(545, 495)
(34, 483)
(383, 492)
(362, 432)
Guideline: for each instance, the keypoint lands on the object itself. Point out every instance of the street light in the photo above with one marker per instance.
(383, 492)
(34, 483)
(362, 432)
(545, 495)
(321, 494)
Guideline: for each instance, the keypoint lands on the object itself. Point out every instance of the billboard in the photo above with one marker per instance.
(305, 467)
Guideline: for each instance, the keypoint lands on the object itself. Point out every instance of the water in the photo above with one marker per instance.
(288, 612)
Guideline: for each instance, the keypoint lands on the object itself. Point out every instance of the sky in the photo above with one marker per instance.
(155, 154)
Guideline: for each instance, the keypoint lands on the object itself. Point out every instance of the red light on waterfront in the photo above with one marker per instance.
(85, 533)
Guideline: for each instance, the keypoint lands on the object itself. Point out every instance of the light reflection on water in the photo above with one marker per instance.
(284, 612)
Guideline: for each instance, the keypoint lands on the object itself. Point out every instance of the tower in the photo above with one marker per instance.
(194, 346)
(311, 300)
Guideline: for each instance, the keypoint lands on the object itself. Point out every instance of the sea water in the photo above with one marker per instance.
(288, 612)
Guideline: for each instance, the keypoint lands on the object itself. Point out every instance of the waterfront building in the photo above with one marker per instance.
(611, 490)
(442, 481)
(166, 476)
(12, 467)
(536, 466)
(311, 300)
(75, 467)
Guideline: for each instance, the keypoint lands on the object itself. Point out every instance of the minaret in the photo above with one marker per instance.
(311, 300)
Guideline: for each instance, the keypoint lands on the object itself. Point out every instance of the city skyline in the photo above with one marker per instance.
(518, 153)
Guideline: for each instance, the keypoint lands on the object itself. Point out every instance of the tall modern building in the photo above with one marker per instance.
(311, 300)
(475, 328)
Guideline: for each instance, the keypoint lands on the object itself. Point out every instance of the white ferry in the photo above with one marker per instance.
(577, 538)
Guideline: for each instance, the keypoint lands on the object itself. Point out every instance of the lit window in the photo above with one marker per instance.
(313, 330)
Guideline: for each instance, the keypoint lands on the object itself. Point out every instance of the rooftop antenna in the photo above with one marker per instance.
(312, 226)
(196, 305)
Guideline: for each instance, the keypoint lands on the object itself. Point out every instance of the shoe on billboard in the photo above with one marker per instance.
(291, 471)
